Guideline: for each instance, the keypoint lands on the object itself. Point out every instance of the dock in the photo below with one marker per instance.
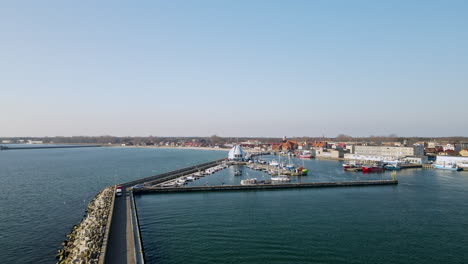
(262, 186)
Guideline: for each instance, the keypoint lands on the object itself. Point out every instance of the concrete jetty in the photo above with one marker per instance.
(263, 186)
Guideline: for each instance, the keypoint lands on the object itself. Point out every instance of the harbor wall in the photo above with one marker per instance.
(105, 240)
(139, 250)
(86, 240)
(263, 186)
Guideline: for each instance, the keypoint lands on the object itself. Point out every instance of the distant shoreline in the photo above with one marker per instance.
(166, 147)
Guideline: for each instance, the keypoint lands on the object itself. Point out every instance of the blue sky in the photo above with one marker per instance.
(233, 68)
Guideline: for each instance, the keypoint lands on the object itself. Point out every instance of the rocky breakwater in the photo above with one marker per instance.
(83, 244)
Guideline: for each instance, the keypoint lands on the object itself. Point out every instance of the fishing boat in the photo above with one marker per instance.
(448, 166)
(304, 155)
(373, 168)
(396, 166)
(252, 181)
(301, 171)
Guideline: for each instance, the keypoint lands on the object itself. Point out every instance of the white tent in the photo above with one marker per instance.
(236, 153)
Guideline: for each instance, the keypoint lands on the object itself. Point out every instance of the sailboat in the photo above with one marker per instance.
(290, 165)
(280, 178)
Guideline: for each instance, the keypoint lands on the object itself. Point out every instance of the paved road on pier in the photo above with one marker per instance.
(121, 247)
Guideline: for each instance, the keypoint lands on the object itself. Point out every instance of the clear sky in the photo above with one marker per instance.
(234, 68)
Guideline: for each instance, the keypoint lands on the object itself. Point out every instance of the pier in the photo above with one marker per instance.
(122, 240)
(262, 186)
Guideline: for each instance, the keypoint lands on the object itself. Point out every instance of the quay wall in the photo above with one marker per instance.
(85, 242)
(139, 250)
(105, 240)
(263, 186)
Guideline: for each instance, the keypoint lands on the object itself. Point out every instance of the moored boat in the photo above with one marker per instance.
(274, 163)
(280, 178)
(448, 166)
(373, 168)
(393, 167)
(252, 181)
(304, 155)
(351, 165)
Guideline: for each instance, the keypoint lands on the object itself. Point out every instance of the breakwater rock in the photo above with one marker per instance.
(83, 244)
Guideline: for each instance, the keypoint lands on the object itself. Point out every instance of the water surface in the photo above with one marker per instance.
(421, 220)
(44, 191)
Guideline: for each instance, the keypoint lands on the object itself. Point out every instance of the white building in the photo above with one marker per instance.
(414, 154)
(236, 153)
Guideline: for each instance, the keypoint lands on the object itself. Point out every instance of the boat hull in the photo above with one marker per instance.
(440, 167)
(371, 169)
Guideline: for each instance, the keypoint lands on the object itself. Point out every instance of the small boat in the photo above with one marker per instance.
(238, 173)
(280, 178)
(448, 166)
(351, 165)
(304, 155)
(373, 168)
(274, 163)
(189, 178)
(252, 181)
(168, 184)
(180, 182)
(393, 166)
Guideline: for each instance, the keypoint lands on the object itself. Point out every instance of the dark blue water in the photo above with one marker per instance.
(44, 192)
(424, 219)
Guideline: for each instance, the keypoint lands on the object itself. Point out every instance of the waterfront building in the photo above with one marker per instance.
(329, 153)
(398, 152)
(414, 154)
(236, 153)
